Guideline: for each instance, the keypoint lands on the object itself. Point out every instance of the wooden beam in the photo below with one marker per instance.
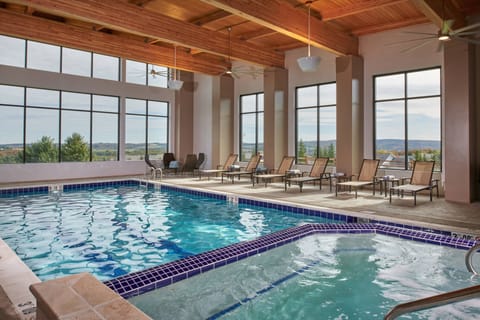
(437, 11)
(283, 18)
(257, 34)
(129, 18)
(390, 25)
(356, 7)
(214, 16)
(39, 29)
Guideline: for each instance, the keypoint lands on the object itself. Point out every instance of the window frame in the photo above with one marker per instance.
(256, 113)
(405, 99)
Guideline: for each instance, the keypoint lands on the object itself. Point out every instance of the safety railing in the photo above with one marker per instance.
(441, 299)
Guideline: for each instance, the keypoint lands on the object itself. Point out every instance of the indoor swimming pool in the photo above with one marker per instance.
(113, 230)
(321, 276)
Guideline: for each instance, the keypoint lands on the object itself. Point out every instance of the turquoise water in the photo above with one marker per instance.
(114, 231)
(321, 277)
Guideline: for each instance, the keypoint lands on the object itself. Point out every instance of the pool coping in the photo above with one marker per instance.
(140, 282)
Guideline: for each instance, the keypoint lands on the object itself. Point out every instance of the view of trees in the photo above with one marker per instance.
(75, 149)
(303, 153)
(44, 150)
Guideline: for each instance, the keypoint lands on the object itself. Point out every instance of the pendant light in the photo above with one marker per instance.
(308, 63)
(174, 83)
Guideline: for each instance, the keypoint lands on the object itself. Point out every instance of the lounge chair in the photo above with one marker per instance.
(249, 170)
(154, 170)
(281, 172)
(168, 160)
(226, 166)
(366, 177)
(420, 180)
(317, 173)
(189, 164)
(200, 160)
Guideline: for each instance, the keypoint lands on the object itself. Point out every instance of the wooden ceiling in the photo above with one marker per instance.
(209, 34)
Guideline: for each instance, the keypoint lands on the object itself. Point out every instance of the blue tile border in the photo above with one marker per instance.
(15, 192)
(153, 278)
(98, 185)
(218, 196)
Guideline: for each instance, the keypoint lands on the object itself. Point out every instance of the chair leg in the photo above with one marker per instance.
(336, 189)
(330, 179)
(414, 198)
(390, 195)
(355, 193)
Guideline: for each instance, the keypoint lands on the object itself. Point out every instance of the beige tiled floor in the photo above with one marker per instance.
(441, 214)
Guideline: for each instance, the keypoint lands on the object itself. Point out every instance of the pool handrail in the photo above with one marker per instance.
(434, 301)
(468, 258)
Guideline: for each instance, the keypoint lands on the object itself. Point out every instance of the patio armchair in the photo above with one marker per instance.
(366, 177)
(189, 164)
(420, 180)
(317, 173)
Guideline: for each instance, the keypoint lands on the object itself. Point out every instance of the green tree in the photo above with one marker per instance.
(302, 150)
(331, 151)
(43, 150)
(75, 149)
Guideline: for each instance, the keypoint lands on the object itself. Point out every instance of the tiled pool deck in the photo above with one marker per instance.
(364, 221)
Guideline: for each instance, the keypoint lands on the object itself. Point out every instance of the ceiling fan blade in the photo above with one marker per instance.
(466, 28)
(447, 26)
(409, 40)
(425, 33)
(474, 41)
(408, 50)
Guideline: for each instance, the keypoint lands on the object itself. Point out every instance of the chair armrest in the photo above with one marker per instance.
(405, 180)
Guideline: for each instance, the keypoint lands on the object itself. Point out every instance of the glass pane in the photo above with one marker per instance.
(328, 132)
(248, 103)
(75, 136)
(328, 94)
(307, 97)
(136, 72)
(390, 134)
(158, 108)
(13, 51)
(105, 103)
(42, 56)
(390, 87)
(157, 137)
(423, 83)
(136, 106)
(41, 135)
(248, 136)
(106, 67)
(424, 132)
(73, 100)
(11, 134)
(159, 78)
(12, 95)
(76, 62)
(43, 98)
(306, 135)
(135, 137)
(260, 102)
(260, 129)
(104, 137)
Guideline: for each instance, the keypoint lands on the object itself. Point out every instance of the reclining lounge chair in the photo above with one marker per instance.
(249, 170)
(420, 180)
(226, 166)
(366, 177)
(317, 173)
(281, 172)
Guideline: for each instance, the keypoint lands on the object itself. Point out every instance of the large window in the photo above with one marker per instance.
(38, 125)
(146, 74)
(251, 125)
(146, 129)
(316, 122)
(408, 118)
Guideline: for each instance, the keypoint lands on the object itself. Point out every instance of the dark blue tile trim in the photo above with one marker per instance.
(143, 281)
(8, 193)
(98, 185)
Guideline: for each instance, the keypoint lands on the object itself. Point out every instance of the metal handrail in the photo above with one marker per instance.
(441, 299)
(434, 301)
(468, 258)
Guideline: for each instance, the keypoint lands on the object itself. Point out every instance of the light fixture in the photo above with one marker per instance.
(444, 36)
(309, 63)
(174, 83)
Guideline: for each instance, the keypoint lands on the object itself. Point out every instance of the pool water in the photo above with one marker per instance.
(117, 230)
(327, 276)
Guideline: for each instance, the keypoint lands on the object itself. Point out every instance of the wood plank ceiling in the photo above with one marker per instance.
(209, 34)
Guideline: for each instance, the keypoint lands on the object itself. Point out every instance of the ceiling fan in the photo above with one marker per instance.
(237, 71)
(468, 33)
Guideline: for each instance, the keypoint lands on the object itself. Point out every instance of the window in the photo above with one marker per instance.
(146, 74)
(13, 51)
(106, 67)
(42, 56)
(38, 125)
(76, 62)
(316, 122)
(251, 125)
(408, 118)
(146, 129)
